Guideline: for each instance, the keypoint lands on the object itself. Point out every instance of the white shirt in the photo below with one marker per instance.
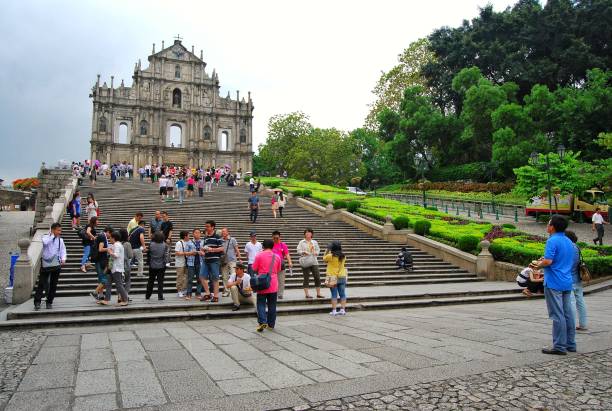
(246, 280)
(163, 182)
(118, 257)
(252, 250)
(180, 260)
(597, 219)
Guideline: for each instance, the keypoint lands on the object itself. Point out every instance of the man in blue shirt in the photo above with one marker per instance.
(559, 261)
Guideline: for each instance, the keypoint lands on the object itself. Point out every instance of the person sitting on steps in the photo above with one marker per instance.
(404, 259)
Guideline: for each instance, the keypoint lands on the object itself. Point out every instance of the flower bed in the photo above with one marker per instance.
(507, 243)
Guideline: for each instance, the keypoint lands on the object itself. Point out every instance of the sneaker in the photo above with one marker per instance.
(553, 351)
(49, 305)
(235, 308)
(261, 327)
(167, 264)
(341, 312)
(225, 294)
(94, 295)
(333, 313)
(180, 294)
(36, 306)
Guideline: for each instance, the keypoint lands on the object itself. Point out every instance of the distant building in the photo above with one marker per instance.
(172, 114)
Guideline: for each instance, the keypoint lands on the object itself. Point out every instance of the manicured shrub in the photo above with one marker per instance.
(372, 215)
(298, 193)
(401, 222)
(422, 227)
(338, 204)
(432, 208)
(509, 226)
(307, 193)
(469, 171)
(468, 243)
(273, 183)
(322, 201)
(353, 206)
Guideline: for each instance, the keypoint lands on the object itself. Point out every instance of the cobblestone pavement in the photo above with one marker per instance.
(17, 349)
(583, 382)
(484, 352)
(13, 226)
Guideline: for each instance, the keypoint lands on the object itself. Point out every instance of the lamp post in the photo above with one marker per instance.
(534, 160)
(421, 163)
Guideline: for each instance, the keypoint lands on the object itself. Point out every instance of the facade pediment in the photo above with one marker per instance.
(177, 52)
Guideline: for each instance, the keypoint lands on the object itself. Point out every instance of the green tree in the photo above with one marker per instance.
(332, 155)
(283, 132)
(378, 164)
(569, 175)
(390, 87)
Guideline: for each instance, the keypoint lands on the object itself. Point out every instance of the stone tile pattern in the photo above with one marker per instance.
(311, 359)
(582, 382)
(17, 349)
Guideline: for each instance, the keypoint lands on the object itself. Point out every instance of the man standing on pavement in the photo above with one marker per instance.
(559, 261)
(134, 222)
(213, 248)
(167, 227)
(253, 206)
(228, 260)
(137, 241)
(156, 223)
(598, 226)
(53, 258)
(251, 249)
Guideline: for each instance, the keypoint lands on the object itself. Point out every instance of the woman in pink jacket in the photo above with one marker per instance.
(267, 262)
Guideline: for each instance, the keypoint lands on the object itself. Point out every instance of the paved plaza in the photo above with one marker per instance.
(424, 358)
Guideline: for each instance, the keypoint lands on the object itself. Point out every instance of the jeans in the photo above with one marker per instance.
(86, 251)
(191, 274)
(253, 215)
(339, 290)
(117, 278)
(156, 274)
(201, 191)
(47, 282)
(181, 195)
(579, 305)
(599, 228)
(269, 317)
(102, 277)
(561, 313)
(139, 260)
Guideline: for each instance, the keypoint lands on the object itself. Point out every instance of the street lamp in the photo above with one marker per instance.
(534, 160)
(421, 163)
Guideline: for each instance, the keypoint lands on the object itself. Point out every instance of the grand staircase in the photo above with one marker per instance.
(373, 277)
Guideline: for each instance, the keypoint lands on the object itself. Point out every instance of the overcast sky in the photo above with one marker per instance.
(319, 57)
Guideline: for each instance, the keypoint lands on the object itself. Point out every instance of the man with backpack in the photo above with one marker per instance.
(53, 258)
(137, 241)
(99, 255)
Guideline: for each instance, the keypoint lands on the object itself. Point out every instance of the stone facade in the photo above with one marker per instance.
(172, 114)
(52, 186)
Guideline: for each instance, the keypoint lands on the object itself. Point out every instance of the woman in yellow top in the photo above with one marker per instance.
(336, 272)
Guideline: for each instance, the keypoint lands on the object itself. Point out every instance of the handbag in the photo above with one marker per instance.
(585, 274)
(331, 281)
(224, 259)
(308, 260)
(262, 282)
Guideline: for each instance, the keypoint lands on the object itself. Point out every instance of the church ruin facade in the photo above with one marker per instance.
(172, 114)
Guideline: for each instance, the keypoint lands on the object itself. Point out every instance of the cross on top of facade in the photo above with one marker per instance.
(178, 37)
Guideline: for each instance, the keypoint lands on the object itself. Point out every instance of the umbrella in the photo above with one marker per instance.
(97, 162)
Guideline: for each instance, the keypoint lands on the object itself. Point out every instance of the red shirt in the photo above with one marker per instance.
(261, 265)
(280, 249)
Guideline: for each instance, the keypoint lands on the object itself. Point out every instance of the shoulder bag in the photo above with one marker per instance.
(260, 282)
(224, 259)
(307, 261)
(585, 274)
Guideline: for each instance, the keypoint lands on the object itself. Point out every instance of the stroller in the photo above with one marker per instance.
(404, 260)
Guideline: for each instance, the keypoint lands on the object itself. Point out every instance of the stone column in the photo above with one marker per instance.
(24, 278)
(485, 263)
(388, 227)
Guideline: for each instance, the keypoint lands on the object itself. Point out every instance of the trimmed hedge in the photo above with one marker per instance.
(353, 206)
(338, 204)
(298, 193)
(307, 193)
(274, 184)
(432, 208)
(469, 171)
(422, 227)
(468, 243)
(401, 222)
(508, 225)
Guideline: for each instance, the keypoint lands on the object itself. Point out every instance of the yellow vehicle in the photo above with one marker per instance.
(581, 207)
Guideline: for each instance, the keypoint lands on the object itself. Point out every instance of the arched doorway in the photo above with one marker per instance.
(175, 137)
(224, 143)
(123, 133)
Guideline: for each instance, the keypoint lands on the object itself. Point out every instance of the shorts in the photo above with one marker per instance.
(210, 271)
(75, 215)
(162, 191)
(190, 187)
(170, 188)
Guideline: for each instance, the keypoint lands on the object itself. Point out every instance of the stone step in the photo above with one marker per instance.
(203, 311)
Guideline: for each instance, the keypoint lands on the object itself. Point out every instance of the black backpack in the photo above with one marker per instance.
(82, 233)
(94, 253)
